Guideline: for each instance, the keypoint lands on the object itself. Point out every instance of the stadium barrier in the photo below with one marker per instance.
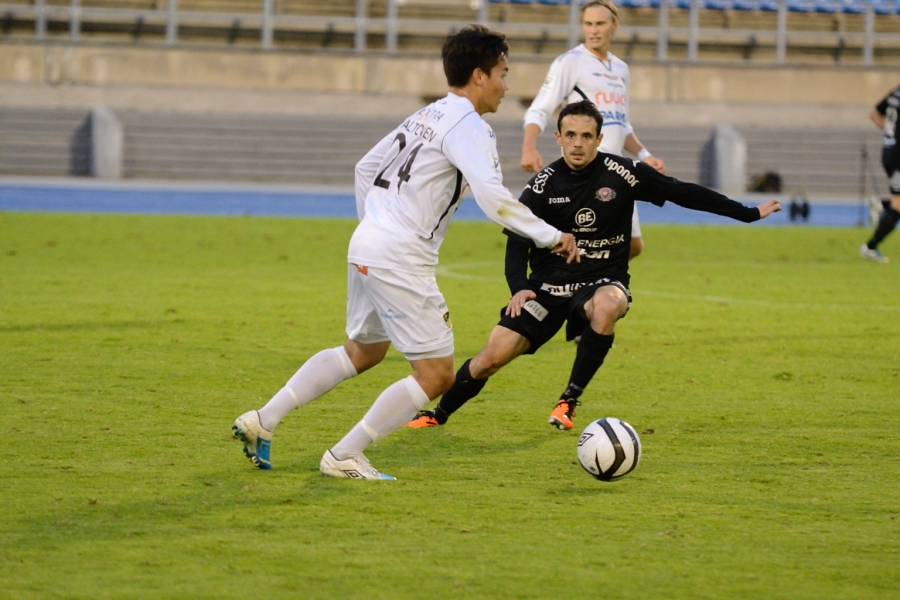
(388, 25)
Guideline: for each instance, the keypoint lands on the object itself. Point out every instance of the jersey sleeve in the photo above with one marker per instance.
(654, 187)
(518, 250)
(365, 171)
(472, 147)
(557, 86)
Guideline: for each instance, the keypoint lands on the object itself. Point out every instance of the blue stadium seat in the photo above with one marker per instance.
(826, 6)
(639, 3)
(553, 2)
(802, 6)
(718, 4)
(746, 5)
(853, 7)
(885, 7)
(768, 5)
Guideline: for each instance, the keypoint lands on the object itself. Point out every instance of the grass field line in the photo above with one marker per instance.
(453, 271)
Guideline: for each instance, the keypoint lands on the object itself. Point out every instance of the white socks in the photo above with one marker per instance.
(394, 408)
(317, 376)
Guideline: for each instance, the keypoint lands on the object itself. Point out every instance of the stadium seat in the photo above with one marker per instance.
(827, 6)
(800, 6)
(852, 7)
(769, 5)
(745, 5)
(553, 2)
(718, 4)
(885, 7)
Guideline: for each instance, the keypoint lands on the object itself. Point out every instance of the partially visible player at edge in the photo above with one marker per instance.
(884, 115)
(407, 189)
(590, 72)
(591, 194)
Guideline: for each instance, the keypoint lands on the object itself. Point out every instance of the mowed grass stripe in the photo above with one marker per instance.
(759, 367)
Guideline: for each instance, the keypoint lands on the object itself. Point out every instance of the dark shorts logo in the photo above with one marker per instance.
(585, 217)
(605, 194)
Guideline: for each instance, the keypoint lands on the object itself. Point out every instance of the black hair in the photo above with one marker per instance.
(584, 108)
(473, 47)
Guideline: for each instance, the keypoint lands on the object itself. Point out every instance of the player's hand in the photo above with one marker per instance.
(514, 308)
(531, 160)
(656, 163)
(768, 207)
(566, 247)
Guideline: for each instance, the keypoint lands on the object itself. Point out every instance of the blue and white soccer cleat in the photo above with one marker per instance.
(872, 254)
(352, 468)
(257, 441)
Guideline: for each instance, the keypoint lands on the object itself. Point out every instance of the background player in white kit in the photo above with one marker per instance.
(407, 189)
(590, 72)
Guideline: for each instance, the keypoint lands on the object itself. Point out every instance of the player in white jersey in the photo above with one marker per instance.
(407, 189)
(590, 72)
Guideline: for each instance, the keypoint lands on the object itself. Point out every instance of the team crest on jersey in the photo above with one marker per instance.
(605, 194)
(447, 320)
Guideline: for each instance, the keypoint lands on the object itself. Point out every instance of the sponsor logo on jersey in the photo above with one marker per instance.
(611, 98)
(540, 180)
(559, 200)
(585, 217)
(568, 289)
(625, 173)
(535, 310)
(548, 83)
(605, 194)
(391, 314)
(496, 162)
(612, 241)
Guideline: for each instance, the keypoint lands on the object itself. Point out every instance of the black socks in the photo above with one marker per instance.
(592, 350)
(886, 224)
(464, 389)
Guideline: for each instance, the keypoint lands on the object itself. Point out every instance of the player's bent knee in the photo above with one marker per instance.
(365, 356)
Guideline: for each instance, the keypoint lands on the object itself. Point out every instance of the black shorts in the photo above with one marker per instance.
(890, 160)
(542, 317)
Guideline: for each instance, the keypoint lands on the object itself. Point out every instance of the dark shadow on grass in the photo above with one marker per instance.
(116, 325)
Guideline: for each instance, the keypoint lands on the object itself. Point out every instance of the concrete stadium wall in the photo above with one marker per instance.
(373, 73)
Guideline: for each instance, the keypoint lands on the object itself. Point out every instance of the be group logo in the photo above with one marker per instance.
(585, 217)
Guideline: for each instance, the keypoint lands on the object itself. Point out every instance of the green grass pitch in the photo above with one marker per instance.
(760, 366)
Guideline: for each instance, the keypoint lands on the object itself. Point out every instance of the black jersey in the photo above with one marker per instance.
(595, 205)
(889, 107)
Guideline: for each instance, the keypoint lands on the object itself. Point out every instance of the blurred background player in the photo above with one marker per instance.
(407, 190)
(590, 72)
(591, 194)
(884, 115)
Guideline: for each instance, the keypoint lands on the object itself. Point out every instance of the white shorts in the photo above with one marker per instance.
(635, 223)
(407, 310)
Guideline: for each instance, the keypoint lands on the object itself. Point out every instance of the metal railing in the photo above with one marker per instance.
(391, 26)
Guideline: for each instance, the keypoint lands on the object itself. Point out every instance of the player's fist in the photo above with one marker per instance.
(566, 247)
(656, 163)
(768, 207)
(531, 160)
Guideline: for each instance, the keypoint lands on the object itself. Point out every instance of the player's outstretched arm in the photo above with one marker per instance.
(768, 207)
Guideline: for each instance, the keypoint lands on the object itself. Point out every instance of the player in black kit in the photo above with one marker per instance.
(884, 115)
(591, 195)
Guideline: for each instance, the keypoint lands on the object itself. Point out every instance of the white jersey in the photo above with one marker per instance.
(580, 75)
(411, 183)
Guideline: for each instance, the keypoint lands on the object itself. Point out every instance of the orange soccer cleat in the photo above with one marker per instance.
(562, 415)
(424, 419)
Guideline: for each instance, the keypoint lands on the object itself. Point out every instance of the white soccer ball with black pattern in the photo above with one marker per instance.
(609, 449)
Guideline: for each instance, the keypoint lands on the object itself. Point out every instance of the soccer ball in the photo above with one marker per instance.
(609, 449)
